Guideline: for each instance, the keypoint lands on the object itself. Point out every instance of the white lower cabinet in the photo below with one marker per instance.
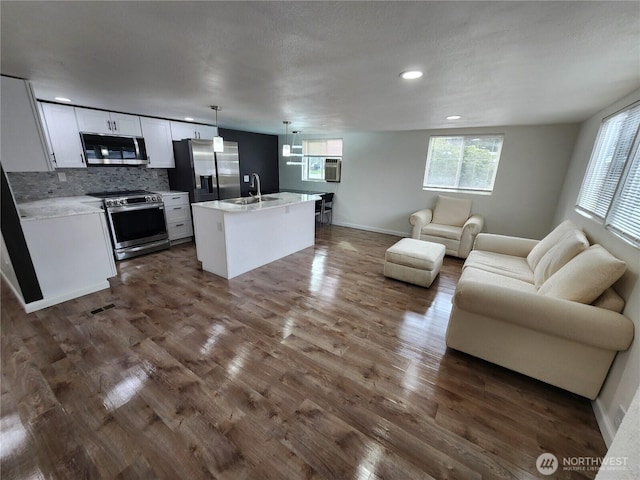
(72, 256)
(177, 211)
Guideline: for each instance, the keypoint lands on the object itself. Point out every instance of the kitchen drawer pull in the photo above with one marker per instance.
(179, 224)
(175, 198)
(177, 208)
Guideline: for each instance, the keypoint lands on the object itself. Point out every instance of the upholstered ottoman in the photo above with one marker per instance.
(414, 261)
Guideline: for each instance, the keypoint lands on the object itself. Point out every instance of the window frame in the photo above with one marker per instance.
(616, 180)
(322, 155)
(457, 188)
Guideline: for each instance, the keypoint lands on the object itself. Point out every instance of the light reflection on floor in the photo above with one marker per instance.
(126, 389)
(369, 463)
(319, 283)
(13, 435)
(215, 333)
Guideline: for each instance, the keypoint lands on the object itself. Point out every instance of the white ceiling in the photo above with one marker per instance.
(329, 66)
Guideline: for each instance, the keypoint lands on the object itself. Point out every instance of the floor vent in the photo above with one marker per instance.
(102, 309)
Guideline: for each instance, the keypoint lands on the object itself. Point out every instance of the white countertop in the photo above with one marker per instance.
(59, 207)
(283, 198)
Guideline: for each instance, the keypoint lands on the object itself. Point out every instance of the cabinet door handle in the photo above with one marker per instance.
(179, 224)
(109, 125)
(82, 158)
(115, 127)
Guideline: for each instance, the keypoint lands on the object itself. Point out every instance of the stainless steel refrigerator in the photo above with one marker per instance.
(204, 174)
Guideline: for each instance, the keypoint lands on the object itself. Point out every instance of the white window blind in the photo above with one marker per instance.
(608, 159)
(611, 187)
(624, 216)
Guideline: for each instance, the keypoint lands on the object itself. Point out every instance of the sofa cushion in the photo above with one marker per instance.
(610, 300)
(571, 244)
(451, 211)
(585, 277)
(508, 265)
(445, 231)
(549, 241)
(471, 274)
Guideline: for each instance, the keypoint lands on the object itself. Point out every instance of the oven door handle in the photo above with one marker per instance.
(141, 206)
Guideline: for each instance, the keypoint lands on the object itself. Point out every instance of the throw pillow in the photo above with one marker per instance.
(549, 241)
(585, 277)
(451, 211)
(610, 300)
(571, 244)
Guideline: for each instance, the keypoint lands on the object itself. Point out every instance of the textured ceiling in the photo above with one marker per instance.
(329, 66)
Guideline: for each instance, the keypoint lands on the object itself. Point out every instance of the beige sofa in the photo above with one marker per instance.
(542, 308)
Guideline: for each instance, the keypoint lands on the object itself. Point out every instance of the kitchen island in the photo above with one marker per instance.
(235, 236)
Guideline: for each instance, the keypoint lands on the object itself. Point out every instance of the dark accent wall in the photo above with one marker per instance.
(17, 245)
(258, 153)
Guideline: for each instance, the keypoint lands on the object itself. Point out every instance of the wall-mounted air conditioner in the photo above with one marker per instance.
(332, 169)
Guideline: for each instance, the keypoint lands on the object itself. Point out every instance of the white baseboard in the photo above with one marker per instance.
(371, 229)
(607, 429)
(48, 302)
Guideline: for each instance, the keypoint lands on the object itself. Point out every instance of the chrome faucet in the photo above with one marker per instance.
(256, 178)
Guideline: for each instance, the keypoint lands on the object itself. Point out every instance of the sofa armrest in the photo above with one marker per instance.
(582, 323)
(516, 246)
(471, 228)
(419, 220)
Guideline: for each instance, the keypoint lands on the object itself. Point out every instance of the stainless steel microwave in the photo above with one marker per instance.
(113, 150)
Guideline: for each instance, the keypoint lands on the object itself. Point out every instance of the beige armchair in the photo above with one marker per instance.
(450, 223)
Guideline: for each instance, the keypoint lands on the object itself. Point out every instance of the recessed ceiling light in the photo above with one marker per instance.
(411, 74)
(62, 99)
(189, 119)
(454, 117)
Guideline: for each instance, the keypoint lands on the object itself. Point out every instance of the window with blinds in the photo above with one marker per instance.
(610, 190)
(314, 155)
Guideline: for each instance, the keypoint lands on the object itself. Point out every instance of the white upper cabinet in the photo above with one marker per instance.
(110, 123)
(207, 132)
(23, 147)
(64, 139)
(157, 138)
(182, 130)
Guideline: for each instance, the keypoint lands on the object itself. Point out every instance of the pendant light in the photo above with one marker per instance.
(286, 148)
(296, 148)
(218, 141)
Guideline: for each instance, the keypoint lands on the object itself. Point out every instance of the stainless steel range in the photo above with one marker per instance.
(137, 222)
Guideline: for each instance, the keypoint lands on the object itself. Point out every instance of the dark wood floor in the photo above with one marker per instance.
(315, 366)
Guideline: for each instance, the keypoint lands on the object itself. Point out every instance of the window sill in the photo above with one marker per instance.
(457, 190)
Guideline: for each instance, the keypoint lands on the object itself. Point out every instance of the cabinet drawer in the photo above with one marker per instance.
(179, 230)
(177, 213)
(175, 199)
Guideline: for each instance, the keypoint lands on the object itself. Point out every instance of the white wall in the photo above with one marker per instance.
(382, 175)
(624, 377)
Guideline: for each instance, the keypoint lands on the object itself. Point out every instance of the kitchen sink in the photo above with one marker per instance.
(249, 200)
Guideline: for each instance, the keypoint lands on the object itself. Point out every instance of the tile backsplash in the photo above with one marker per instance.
(29, 186)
